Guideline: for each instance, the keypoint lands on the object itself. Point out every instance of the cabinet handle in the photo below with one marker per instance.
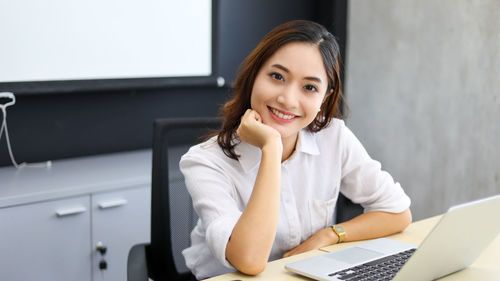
(70, 211)
(112, 203)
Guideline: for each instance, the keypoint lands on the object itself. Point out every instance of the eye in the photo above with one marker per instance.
(311, 88)
(276, 75)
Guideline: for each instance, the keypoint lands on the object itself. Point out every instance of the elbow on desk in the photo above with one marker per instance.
(249, 265)
(250, 260)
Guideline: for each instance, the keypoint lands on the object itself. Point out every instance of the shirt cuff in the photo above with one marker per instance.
(217, 236)
(393, 200)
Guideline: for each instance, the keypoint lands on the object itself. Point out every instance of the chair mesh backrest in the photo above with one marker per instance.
(172, 215)
(182, 216)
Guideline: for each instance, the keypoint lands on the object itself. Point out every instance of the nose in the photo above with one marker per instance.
(289, 97)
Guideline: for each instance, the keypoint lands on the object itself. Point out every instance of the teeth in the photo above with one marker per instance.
(281, 115)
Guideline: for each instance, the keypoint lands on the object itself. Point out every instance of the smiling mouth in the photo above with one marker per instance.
(281, 115)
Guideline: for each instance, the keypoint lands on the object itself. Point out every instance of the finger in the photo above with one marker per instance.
(246, 114)
(292, 253)
(257, 116)
(246, 117)
(299, 249)
(249, 116)
(252, 114)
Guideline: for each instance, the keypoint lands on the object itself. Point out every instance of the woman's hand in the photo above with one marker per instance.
(323, 237)
(254, 132)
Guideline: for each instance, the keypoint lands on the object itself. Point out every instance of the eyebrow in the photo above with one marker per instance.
(311, 78)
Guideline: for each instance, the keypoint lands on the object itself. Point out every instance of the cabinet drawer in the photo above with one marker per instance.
(46, 240)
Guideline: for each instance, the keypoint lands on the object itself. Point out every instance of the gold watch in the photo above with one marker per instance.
(339, 230)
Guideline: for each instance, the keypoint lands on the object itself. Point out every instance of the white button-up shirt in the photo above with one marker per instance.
(323, 164)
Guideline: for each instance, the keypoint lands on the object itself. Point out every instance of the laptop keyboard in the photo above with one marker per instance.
(382, 269)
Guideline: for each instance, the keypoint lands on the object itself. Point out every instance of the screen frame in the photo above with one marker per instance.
(92, 85)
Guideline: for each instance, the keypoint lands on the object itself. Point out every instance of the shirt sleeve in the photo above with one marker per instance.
(365, 183)
(214, 201)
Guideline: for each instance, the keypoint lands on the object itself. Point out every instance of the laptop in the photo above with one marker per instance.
(454, 243)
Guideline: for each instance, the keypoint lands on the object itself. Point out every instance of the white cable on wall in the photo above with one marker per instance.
(3, 108)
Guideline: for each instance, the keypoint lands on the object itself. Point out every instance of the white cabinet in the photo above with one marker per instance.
(57, 240)
(46, 241)
(52, 219)
(120, 219)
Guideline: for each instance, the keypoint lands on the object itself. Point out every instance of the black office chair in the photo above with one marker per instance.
(172, 215)
(346, 209)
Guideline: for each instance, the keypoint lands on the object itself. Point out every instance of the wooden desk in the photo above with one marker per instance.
(486, 267)
(275, 270)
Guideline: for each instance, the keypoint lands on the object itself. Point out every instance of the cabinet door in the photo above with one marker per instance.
(120, 219)
(46, 241)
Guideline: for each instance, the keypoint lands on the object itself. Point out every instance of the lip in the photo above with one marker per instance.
(277, 118)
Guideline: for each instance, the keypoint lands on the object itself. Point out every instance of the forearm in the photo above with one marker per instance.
(252, 238)
(376, 224)
(366, 226)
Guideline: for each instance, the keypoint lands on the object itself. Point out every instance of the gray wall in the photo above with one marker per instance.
(423, 80)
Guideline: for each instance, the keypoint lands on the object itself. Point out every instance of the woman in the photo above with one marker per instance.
(266, 186)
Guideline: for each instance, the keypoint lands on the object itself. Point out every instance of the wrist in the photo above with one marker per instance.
(331, 237)
(273, 147)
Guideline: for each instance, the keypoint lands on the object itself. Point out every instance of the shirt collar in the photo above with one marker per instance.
(250, 155)
(307, 143)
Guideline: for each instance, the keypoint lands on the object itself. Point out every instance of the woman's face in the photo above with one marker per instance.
(290, 87)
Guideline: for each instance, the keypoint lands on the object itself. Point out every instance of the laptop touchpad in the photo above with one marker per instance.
(354, 255)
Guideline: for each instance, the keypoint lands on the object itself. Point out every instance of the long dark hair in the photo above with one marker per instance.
(293, 31)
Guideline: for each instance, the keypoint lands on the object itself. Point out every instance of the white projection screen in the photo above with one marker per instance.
(71, 40)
